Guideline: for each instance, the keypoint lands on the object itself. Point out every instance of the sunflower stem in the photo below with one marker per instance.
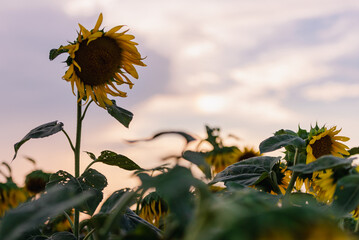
(294, 175)
(356, 226)
(77, 161)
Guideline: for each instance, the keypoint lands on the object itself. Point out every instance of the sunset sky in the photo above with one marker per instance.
(248, 67)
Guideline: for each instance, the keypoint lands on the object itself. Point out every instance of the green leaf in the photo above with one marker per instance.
(322, 163)
(91, 155)
(30, 215)
(354, 151)
(90, 181)
(41, 131)
(198, 158)
(187, 136)
(122, 115)
(56, 52)
(346, 196)
(279, 141)
(302, 199)
(114, 159)
(247, 172)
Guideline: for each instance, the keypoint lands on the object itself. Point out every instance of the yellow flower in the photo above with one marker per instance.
(325, 185)
(248, 153)
(221, 158)
(35, 181)
(326, 143)
(283, 178)
(11, 196)
(154, 209)
(98, 62)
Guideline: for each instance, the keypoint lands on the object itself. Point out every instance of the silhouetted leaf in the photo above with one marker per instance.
(122, 115)
(41, 131)
(187, 136)
(114, 159)
(198, 158)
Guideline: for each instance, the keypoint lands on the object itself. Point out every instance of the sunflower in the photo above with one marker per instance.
(326, 143)
(35, 181)
(98, 62)
(154, 209)
(326, 182)
(282, 177)
(220, 158)
(248, 152)
(10, 196)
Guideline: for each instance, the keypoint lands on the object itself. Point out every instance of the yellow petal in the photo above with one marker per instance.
(98, 23)
(85, 32)
(114, 29)
(76, 64)
(131, 70)
(94, 37)
(69, 72)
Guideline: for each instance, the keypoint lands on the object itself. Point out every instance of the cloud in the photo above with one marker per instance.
(331, 91)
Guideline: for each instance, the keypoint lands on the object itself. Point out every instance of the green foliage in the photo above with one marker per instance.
(122, 115)
(346, 196)
(279, 141)
(114, 159)
(198, 158)
(27, 217)
(248, 172)
(322, 163)
(41, 131)
(90, 181)
(56, 52)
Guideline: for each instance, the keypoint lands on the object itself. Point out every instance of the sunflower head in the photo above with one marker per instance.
(154, 209)
(99, 61)
(323, 141)
(10, 196)
(220, 158)
(35, 181)
(248, 152)
(326, 182)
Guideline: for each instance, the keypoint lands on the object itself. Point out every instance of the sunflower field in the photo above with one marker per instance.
(297, 184)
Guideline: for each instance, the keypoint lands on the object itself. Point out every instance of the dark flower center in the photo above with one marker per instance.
(99, 61)
(322, 146)
(247, 155)
(36, 185)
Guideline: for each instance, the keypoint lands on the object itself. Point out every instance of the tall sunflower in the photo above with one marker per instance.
(326, 142)
(248, 152)
(98, 62)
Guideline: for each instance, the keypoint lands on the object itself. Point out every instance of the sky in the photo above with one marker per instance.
(248, 67)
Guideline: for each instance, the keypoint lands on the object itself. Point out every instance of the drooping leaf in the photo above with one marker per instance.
(187, 136)
(322, 163)
(114, 159)
(56, 52)
(198, 158)
(247, 172)
(276, 142)
(41, 131)
(30, 215)
(122, 115)
(346, 196)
